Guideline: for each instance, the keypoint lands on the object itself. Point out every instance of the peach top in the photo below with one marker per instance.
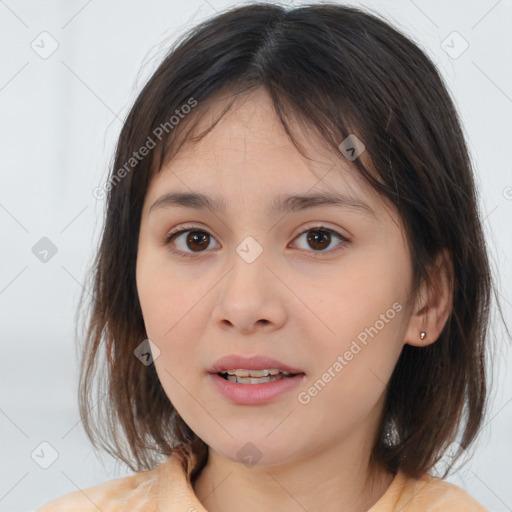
(167, 488)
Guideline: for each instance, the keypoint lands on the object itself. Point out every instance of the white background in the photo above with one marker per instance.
(60, 117)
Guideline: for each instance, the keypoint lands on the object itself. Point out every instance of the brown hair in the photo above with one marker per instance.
(341, 71)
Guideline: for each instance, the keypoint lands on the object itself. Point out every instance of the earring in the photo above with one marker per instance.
(423, 335)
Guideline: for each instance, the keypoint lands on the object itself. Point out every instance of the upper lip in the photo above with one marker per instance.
(258, 362)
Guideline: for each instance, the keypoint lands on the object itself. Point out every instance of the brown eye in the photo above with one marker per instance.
(194, 241)
(187, 242)
(197, 239)
(320, 238)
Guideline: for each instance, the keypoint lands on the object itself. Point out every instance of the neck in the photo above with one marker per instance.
(331, 479)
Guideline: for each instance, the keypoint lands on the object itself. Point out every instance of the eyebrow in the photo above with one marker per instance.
(279, 205)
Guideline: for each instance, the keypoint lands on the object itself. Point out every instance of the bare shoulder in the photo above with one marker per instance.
(450, 495)
(117, 495)
(439, 495)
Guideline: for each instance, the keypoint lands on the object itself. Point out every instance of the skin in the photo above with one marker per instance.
(296, 303)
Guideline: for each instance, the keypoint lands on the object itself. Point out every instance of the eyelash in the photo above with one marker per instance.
(181, 229)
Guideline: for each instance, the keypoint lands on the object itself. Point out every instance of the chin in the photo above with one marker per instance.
(256, 453)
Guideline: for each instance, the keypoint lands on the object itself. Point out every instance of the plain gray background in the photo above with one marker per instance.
(69, 72)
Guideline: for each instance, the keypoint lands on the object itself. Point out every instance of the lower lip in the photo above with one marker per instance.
(255, 394)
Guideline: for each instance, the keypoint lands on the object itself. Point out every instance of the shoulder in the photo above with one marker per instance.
(112, 496)
(430, 494)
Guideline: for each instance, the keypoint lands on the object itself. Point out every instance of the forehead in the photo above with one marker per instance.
(249, 153)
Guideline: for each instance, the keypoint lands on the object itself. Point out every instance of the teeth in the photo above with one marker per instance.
(256, 373)
(240, 376)
(256, 380)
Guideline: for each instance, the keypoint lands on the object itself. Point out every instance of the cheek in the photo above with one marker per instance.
(173, 308)
(169, 322)
(360, 296)
(364, 320)
(351, 375)
(165, 294)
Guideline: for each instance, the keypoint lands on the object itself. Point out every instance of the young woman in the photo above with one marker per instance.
(291, 292)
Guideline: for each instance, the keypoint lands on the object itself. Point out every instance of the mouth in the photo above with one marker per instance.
(241, 376)
(254, 369)
(255, 379)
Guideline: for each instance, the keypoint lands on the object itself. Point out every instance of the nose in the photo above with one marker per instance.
(250, 297)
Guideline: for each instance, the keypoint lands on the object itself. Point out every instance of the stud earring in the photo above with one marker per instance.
(423, 335)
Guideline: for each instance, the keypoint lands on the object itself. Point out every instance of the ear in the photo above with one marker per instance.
(434, 303)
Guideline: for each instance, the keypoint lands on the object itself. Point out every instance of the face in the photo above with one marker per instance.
(318, 288)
